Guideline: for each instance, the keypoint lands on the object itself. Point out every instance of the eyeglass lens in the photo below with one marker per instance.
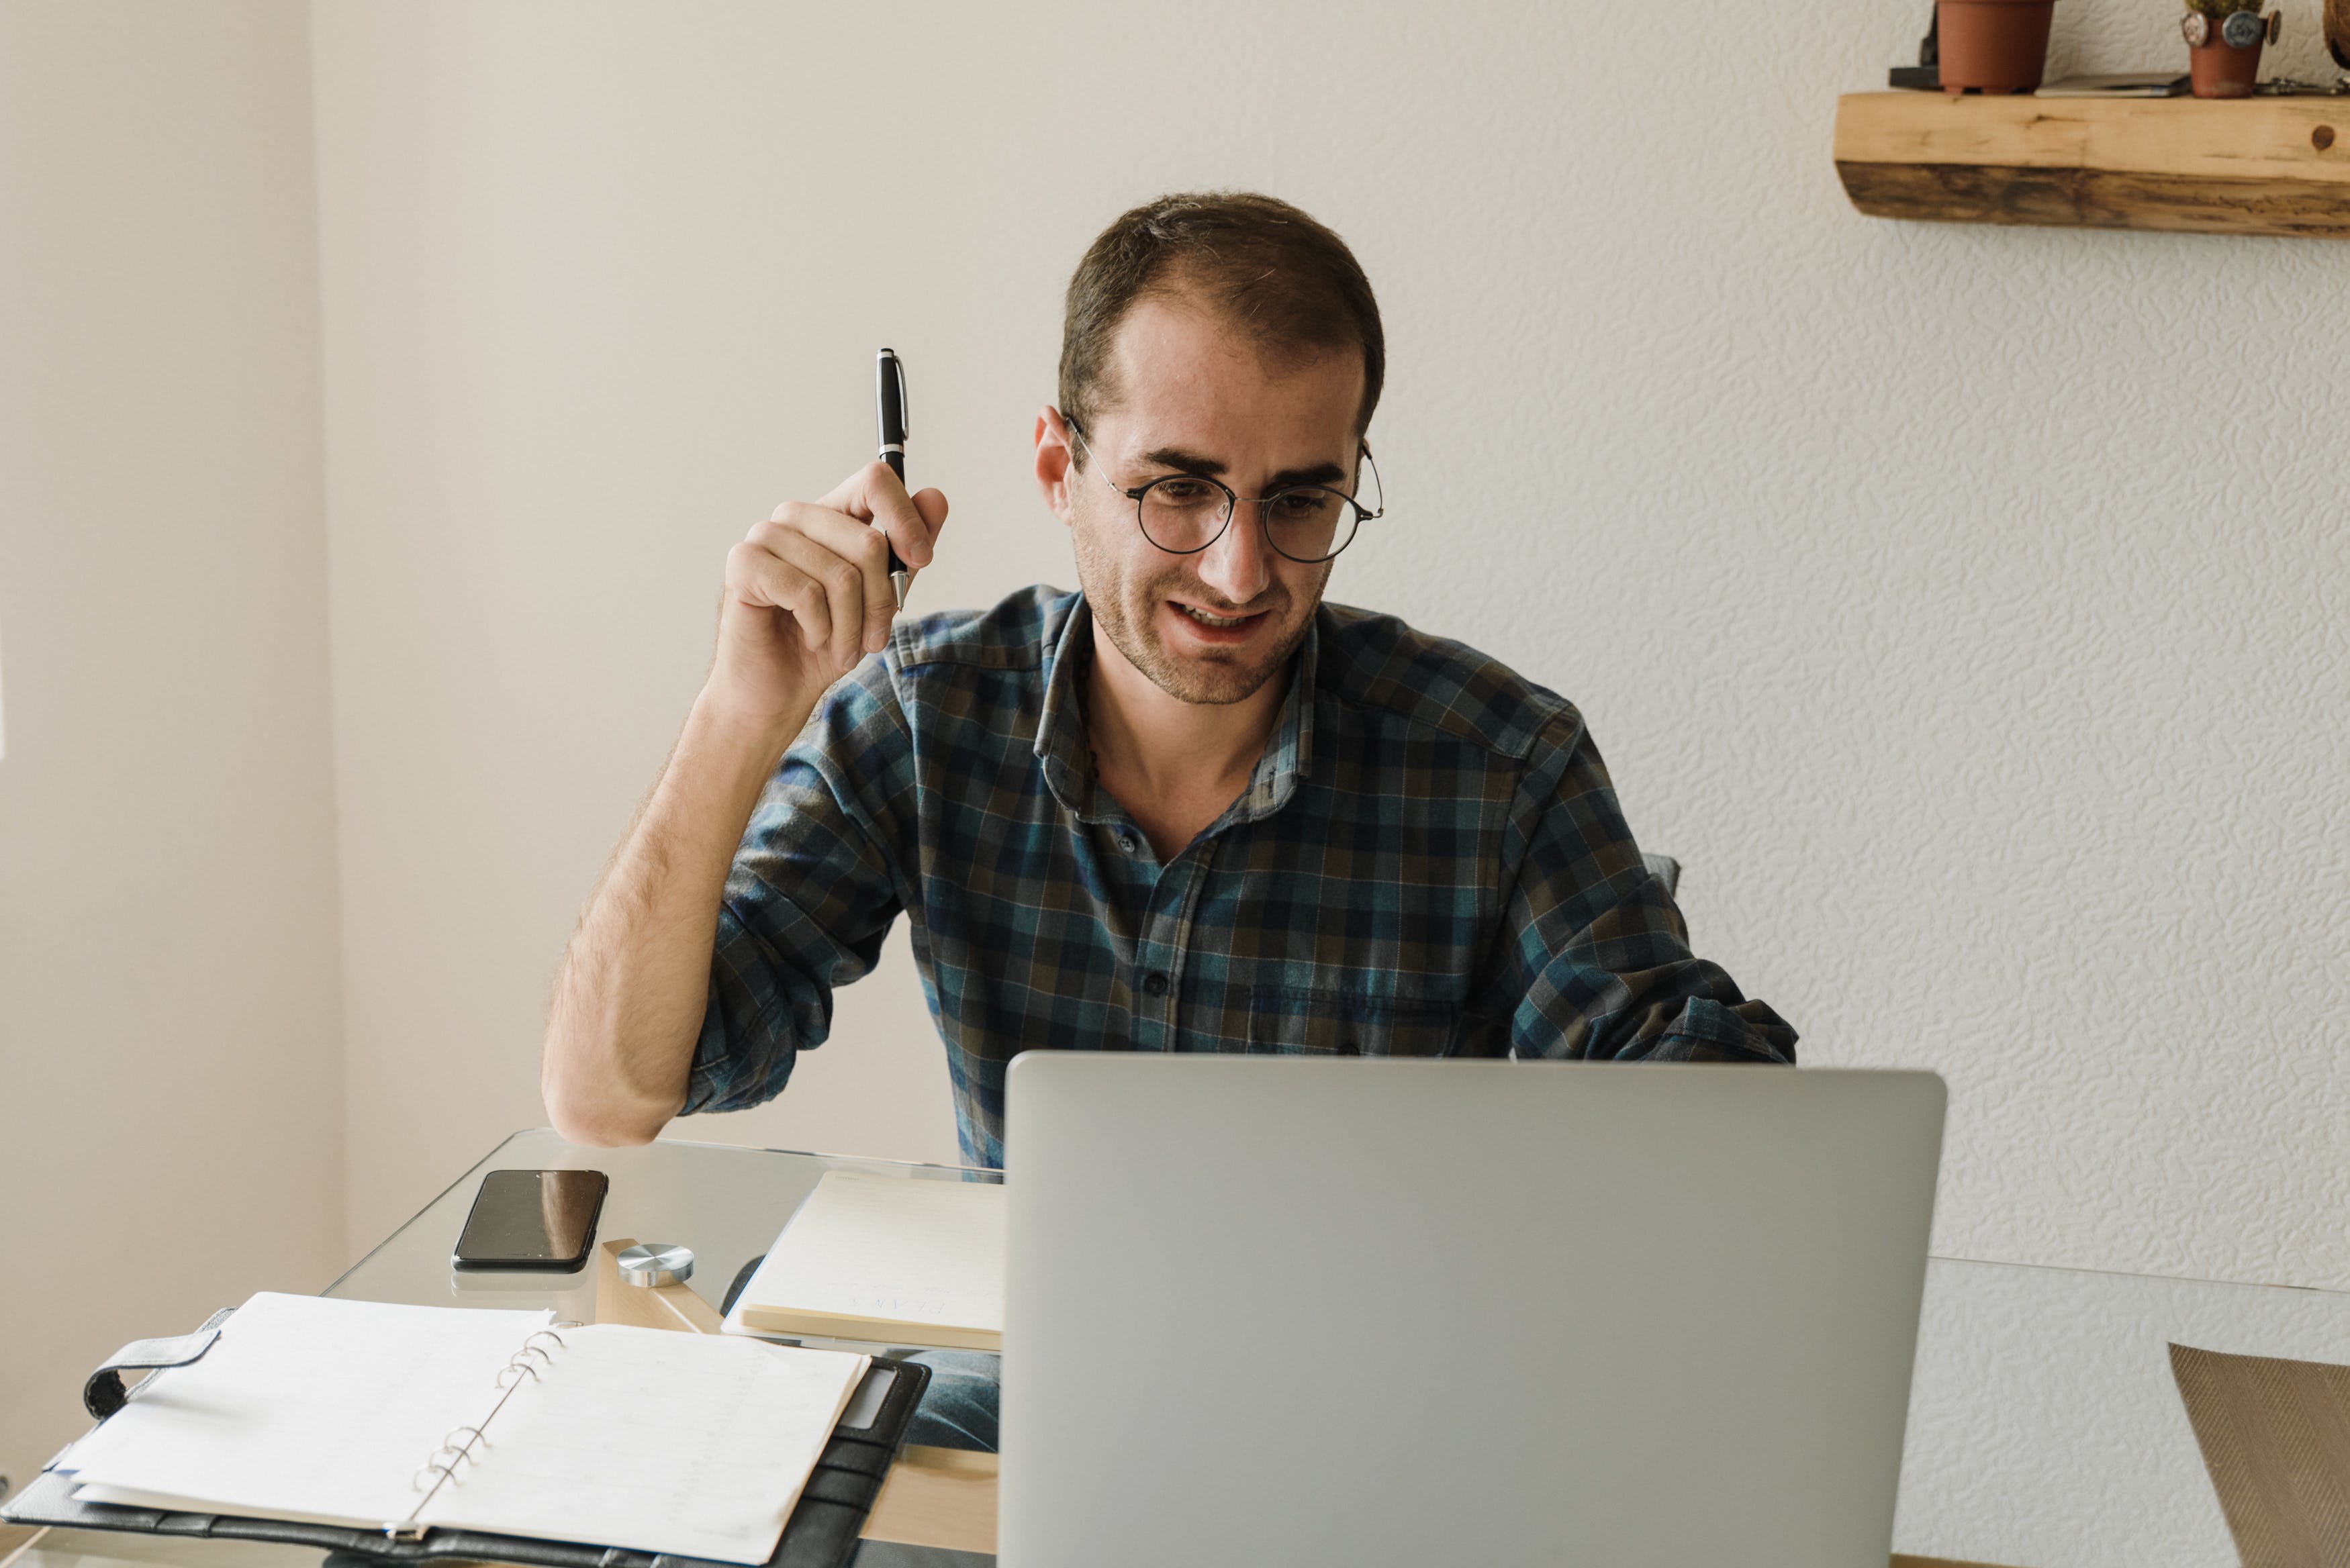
(1183, 514)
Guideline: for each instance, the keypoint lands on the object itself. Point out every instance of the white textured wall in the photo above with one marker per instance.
(1966, 606)
(2046, 1427)
(170, 1113)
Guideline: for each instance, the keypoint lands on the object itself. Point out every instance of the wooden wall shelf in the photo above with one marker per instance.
(2250, 166)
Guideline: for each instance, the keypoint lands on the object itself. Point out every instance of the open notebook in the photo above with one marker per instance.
(882, 1259)
(370, 1415)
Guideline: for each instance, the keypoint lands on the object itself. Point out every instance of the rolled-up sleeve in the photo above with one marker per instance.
(815, 885)
(1594, 957)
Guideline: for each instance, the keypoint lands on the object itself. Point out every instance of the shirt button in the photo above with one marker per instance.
(1127, 841)
(1154, 983)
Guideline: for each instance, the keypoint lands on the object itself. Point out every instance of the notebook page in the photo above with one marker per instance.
(883, 1247)
(688, 1444)
(306, 1407)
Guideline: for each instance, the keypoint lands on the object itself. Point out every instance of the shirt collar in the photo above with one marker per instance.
(1061, 750)
(1067, 762)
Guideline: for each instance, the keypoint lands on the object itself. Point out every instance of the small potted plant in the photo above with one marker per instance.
(2224, 45)
(1993, 46)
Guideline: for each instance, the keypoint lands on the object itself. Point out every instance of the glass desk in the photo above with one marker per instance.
(2044, 1430)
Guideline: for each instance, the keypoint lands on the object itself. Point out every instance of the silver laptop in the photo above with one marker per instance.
(1285, 1310)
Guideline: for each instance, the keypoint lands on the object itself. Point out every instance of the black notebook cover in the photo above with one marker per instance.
(821, 1533)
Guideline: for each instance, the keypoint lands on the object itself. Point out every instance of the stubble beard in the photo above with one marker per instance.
(1126, 613)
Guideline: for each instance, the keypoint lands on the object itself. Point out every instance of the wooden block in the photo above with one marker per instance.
(647, 1306)
(2085, 199)
(2260, 166)
(616, 1299)
(2245, 138)
(937, 1497)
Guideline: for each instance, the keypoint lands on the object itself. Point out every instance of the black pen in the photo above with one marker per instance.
(890, 403)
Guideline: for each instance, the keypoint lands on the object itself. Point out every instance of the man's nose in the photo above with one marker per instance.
(1239, 565)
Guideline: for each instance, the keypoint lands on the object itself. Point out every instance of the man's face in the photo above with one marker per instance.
(1193, 396)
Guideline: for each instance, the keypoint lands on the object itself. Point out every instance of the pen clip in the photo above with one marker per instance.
(905, 413)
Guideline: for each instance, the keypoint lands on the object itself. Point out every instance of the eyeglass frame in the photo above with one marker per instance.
(1232, 500)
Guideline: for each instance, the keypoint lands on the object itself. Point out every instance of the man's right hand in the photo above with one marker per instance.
(807, 594)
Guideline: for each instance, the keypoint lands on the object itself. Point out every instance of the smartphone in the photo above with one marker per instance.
(532, 1220)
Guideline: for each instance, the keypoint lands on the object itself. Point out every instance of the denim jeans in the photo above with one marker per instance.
(958, 1411)
(959, 1408)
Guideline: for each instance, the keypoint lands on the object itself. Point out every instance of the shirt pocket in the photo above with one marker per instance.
(1317, 1021)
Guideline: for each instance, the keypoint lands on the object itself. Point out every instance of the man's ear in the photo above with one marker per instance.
(1056, 464)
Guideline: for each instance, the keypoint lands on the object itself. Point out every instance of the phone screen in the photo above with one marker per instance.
(532, 1220)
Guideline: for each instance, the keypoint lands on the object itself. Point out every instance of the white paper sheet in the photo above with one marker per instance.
(693, 1445)
(307, 1407)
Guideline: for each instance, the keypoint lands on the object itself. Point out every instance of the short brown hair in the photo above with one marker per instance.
(1284, 278)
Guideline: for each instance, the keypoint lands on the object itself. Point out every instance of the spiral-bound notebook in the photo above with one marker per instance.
(407, 1420)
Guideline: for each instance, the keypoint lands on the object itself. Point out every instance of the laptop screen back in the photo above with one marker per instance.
(1287, 1310)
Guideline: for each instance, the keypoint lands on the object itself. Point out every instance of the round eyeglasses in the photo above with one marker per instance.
(1183, 514)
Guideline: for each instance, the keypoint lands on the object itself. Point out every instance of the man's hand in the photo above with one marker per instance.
(807, 594)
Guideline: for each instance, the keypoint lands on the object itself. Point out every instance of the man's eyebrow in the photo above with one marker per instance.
(1183, 462)
(1320, 473)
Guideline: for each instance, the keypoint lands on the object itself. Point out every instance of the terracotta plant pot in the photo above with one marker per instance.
(2219, 69)
(1993, 46)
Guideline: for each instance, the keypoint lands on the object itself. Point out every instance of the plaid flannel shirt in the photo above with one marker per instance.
(1428, 861)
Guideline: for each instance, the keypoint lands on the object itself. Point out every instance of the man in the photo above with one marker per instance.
(1190, 809)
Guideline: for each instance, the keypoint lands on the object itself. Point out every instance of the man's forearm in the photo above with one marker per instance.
(629, 1001)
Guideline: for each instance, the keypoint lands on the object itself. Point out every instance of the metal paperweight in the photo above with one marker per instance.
(654, 1263)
